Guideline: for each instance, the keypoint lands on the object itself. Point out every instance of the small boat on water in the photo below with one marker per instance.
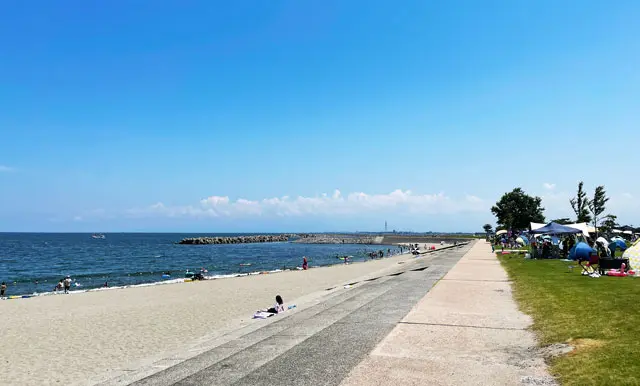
(98, 236)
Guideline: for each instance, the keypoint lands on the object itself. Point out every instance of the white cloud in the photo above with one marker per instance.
(549, 186)
(6, 169)
(93, 214)
(471, 198)
(556, 204)
(335, 204)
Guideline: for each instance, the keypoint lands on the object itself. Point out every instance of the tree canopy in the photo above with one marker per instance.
(516, 209)
(487, 228)
(580, 205)
(609, 222)
(597, 204)
(563, 221)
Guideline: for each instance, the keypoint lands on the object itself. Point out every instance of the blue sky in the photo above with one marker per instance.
(239, 116)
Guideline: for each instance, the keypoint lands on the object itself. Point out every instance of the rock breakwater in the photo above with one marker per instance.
(337, 239)
(235, 239)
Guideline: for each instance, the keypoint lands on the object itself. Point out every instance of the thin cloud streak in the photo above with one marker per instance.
(335, 204)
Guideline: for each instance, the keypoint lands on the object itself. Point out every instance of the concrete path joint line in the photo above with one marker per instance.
(464, 326)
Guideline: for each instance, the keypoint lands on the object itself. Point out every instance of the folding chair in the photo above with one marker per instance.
(589, 268)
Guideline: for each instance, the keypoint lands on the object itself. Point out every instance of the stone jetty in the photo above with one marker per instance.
(337, 239)
(235, 240)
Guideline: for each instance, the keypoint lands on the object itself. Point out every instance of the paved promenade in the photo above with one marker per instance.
(466, 331)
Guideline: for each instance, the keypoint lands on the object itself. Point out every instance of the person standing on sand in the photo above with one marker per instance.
(305, 265)
(3, 289)
(67, 284)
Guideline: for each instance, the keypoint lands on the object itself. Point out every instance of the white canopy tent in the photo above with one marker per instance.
(584, 227)
(536, 225)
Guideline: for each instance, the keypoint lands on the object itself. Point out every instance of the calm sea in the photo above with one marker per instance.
(35, 262)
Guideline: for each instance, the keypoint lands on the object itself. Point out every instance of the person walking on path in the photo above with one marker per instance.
(3, 289)
(305, 265)
(67, 284)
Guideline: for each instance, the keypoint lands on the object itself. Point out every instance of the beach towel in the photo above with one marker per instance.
(262, 315)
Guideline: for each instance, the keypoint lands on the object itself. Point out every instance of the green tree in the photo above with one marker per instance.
(597, 205)
(608, 223)
(580, 205)
(516, 210)
(563, 221)
(487, 230)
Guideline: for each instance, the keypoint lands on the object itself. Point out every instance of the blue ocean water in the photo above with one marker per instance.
(35, 262)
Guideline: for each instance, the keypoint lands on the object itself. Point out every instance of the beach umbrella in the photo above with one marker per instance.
(525, 239)
(633, 254)
(502, 232)
(581, 251)
(601, 240)
(520, 241)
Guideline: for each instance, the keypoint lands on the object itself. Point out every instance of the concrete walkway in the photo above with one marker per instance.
(466, 331)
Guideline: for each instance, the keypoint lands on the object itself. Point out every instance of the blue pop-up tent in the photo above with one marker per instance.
(555, 229)
(581, 251)
(617, 244)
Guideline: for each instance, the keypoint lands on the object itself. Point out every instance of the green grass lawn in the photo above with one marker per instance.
(599, 316)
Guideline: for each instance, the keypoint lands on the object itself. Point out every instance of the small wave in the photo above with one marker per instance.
(163, 282)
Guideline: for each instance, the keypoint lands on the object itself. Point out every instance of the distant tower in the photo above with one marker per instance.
(385, 226)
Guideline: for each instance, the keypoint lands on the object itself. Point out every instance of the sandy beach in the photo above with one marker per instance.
(90, 337)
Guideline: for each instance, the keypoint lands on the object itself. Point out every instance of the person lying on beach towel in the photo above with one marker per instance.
(276, 309)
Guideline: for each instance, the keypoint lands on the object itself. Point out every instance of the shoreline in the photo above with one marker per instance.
(42, 279)
(182, 280)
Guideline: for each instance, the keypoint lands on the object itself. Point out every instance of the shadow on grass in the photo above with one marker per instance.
(599, 316)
